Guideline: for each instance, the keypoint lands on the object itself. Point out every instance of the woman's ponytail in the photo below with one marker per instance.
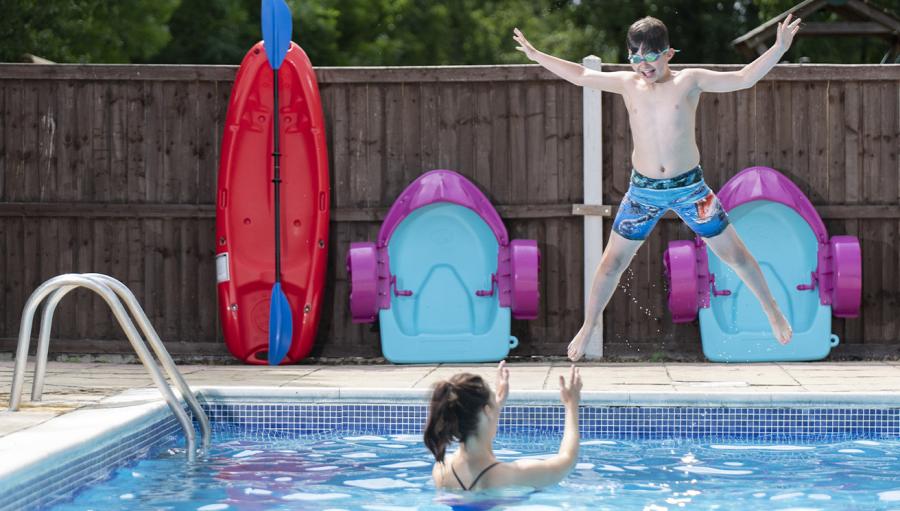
(442, 426)
(454, 411)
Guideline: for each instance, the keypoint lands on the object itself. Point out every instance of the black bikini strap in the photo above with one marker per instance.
(458, 480)
(477, 478)
(492, 465)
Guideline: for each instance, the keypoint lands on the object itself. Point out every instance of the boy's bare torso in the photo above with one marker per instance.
(662, 118)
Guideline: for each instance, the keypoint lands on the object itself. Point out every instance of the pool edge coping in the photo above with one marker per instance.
(67, 436)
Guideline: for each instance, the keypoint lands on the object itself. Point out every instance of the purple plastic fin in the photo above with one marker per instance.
(680, 265)
(846, 276)
(704, 278)
(524, 280)
(441, 186)
(764, 183)
(384, 278)
(362, 270)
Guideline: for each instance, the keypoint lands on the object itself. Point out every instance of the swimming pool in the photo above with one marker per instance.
(321, 452)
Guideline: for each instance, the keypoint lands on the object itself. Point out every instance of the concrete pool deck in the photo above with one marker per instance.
(70, 386)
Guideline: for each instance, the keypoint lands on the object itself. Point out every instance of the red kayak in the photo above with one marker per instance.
(245, 241)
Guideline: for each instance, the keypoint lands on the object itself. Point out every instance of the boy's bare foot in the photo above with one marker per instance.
(781, 329)
(578, 344)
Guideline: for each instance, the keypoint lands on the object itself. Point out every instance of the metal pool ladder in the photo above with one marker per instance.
(114, 293)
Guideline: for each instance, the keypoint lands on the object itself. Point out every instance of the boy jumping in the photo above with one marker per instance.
(666, 172)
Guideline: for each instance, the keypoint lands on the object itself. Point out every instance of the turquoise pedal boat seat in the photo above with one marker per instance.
(443, 279)
(811, 275)
(734, 327)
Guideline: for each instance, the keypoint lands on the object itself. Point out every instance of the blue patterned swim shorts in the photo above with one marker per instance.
(648, 199)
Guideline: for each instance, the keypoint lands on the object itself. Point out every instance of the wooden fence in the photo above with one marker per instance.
(113, 169)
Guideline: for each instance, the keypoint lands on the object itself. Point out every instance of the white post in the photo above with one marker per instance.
(593, 195)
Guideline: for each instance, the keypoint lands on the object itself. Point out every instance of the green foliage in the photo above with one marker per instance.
(84, 30)
(409, 32)
(205, 32)
(397, 32)
(701, 29)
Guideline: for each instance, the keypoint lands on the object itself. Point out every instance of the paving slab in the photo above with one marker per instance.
(521, 377)
(615, 374)
(615, 377)
(751, 374)
(403, 377)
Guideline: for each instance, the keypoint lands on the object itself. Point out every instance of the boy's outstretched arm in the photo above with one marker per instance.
(713, 81)
(572, 72)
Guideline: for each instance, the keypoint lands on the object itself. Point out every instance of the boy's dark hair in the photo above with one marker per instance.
(650, 32)
(455, 407)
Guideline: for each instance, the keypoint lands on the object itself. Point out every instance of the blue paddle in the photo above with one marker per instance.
(276, 29)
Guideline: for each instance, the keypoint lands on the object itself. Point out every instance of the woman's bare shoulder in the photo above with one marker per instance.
(437, 473)
(505, 474)
(440, 470)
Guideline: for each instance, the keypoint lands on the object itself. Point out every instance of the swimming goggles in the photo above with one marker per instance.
(650, 56)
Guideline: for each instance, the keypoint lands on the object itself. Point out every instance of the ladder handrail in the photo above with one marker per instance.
(150, 335)
(46, 321)
(72, 281)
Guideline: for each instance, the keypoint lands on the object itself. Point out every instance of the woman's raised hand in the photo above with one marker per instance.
(570, 394)
(502, 384)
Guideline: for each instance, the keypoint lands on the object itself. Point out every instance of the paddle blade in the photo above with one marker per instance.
(276, 29)
(280, 326)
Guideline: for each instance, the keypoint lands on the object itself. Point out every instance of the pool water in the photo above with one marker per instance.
(350, 470)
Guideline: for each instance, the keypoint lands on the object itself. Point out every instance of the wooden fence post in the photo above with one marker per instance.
(593, 195)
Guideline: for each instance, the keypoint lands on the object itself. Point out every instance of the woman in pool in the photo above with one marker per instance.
(464, 409)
